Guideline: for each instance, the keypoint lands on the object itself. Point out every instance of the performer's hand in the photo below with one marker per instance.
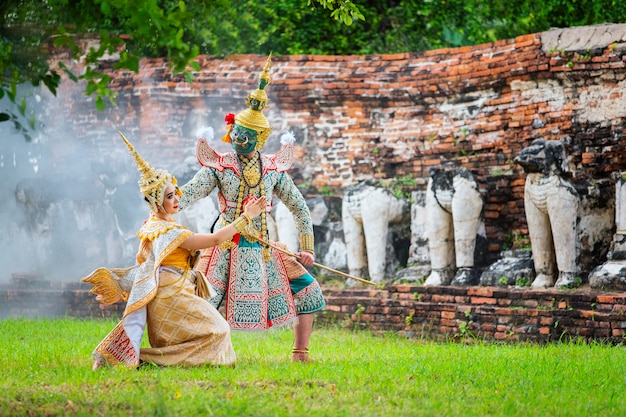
(306, 258)
(255, 206)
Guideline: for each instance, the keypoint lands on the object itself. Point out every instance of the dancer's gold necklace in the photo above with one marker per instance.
(251, 170)
(251, 179)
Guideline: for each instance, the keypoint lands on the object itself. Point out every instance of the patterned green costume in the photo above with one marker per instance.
(261, 287)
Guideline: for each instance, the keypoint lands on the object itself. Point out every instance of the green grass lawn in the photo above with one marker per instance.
(46, 371)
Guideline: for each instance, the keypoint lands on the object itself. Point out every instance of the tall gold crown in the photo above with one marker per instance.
(153, 182)
(253, 117)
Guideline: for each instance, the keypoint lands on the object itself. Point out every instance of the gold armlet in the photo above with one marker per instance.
(247, 216)
(307, 243)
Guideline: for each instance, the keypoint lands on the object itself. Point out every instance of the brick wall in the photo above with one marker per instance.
(483, 313)
(69, 300)
(488, 313)
(388, 116)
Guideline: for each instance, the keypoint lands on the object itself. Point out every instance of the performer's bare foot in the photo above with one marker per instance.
(302, 335)
(98, 362)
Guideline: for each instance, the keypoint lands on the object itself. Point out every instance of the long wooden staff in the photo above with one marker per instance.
(318, 265)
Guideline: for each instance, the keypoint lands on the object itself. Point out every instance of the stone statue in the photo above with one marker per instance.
(454, 213)
(612, 274)
(367, 212)
(551, 205)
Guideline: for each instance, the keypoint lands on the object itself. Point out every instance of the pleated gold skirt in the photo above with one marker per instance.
(183, 328)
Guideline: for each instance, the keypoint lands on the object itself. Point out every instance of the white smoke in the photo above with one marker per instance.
(67, 208)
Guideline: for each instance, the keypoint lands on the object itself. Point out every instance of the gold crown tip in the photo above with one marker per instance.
(130, 146)
(266, 69)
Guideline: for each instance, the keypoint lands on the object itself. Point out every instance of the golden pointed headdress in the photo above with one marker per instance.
(253, 117)
(153, 182)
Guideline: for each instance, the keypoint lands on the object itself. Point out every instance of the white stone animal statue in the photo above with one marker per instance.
(454, 213)
(551, 205)
(367, 212)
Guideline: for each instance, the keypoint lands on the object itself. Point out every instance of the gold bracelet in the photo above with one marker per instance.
(307, 243)
(240, 224)
(247, 216)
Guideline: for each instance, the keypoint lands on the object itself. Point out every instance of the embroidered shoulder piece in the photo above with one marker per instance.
(153, 228)
(209, 157)
(280, 161)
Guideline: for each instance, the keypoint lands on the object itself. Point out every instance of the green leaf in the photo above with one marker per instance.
(5, 117)
(100, 106)
(106, 8)
(52, 81)
(195, 65)
(104, 81)
(90, 88)
(12, 92)
(22, 106)
(68, 72)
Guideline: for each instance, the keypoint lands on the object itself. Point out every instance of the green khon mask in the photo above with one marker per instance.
(242, 139)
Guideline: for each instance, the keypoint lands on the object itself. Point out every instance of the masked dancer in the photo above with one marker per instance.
(259, 286)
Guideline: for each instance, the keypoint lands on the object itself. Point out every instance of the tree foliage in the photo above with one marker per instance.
(175, 29)
(181, 30)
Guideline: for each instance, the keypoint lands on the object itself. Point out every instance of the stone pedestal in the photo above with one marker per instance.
(515, 268)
